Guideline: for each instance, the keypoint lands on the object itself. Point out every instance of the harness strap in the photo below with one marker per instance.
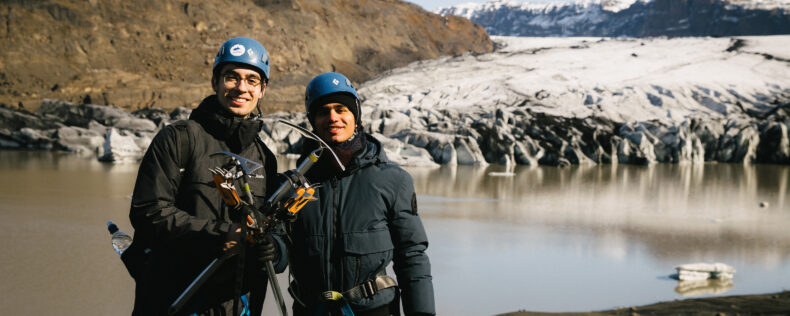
(345, 309)
(370, 287)
(363, 290)
(245, 304)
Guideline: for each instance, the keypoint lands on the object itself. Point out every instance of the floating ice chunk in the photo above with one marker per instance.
(704, 271)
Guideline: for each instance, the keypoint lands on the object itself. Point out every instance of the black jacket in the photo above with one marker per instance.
(177, 212)
(363, 219)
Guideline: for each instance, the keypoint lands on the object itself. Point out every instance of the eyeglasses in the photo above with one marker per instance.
(232, 80)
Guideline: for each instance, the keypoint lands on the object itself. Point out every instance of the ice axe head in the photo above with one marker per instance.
(225, 187)
(247, 166)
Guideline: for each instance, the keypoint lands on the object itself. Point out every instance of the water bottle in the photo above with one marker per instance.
(120, 240)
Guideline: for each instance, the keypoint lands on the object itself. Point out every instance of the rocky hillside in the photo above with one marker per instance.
(632, 18)
(158, 53)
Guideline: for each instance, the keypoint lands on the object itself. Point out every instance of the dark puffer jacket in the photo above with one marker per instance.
(178, 213)
(362, 220)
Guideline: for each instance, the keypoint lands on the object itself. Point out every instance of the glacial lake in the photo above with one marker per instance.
(582, 238)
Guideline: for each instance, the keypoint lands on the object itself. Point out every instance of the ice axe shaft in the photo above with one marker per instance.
(190, 291)
(303, 194)
(276, 288)
(278, 195)
(278, 294)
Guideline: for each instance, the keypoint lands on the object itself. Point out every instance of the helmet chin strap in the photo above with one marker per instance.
(358, 118)
(260, 100)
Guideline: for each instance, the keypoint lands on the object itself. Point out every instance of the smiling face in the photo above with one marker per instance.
(238, 88)
(334, 122)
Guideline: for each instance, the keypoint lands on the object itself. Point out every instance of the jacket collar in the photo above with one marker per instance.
(237, 132)
(326, 167)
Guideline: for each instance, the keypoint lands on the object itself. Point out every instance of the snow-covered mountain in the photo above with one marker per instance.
(633, 18)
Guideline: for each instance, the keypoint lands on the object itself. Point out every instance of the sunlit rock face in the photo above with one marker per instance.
(633, 18)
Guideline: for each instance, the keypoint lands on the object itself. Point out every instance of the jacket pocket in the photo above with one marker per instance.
(366, 253)
(361, 243)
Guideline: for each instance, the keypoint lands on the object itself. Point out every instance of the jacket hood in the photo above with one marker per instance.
(372, 154)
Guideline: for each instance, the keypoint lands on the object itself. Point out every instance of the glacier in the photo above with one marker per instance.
(560, 101)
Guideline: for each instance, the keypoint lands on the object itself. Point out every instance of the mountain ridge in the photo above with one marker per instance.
(630, 18)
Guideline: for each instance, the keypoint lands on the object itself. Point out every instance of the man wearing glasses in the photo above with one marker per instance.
(181, 222)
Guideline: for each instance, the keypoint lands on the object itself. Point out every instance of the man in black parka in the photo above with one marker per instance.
(363, 218)
(178, 215)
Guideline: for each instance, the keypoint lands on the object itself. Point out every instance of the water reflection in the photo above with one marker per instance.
(683, 198)
(667, 188)
(701, 287)
(53, 160)
(562, 235)
(711, 207)
(646, 218)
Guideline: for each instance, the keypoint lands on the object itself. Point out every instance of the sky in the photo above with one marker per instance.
(431, 5)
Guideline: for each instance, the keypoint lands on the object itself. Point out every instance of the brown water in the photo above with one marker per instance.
(548, 239)
(589, 238)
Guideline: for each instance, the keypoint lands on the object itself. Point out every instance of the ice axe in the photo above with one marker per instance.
(294, 180)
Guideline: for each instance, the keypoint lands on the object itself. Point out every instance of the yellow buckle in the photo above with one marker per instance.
(331, 296)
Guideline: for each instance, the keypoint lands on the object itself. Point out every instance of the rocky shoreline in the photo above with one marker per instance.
(759, 304)
(428, 137)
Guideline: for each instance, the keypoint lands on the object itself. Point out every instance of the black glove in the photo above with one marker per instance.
(239, 214)
(234, 238)
(266, 250)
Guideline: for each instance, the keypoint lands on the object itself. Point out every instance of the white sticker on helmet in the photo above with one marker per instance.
(250, 52)
(237, 50)
(335, 81)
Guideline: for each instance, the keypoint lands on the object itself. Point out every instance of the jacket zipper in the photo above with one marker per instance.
(334, 254)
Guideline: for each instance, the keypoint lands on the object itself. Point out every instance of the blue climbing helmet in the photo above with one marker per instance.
(243, 50)
(331, 86)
